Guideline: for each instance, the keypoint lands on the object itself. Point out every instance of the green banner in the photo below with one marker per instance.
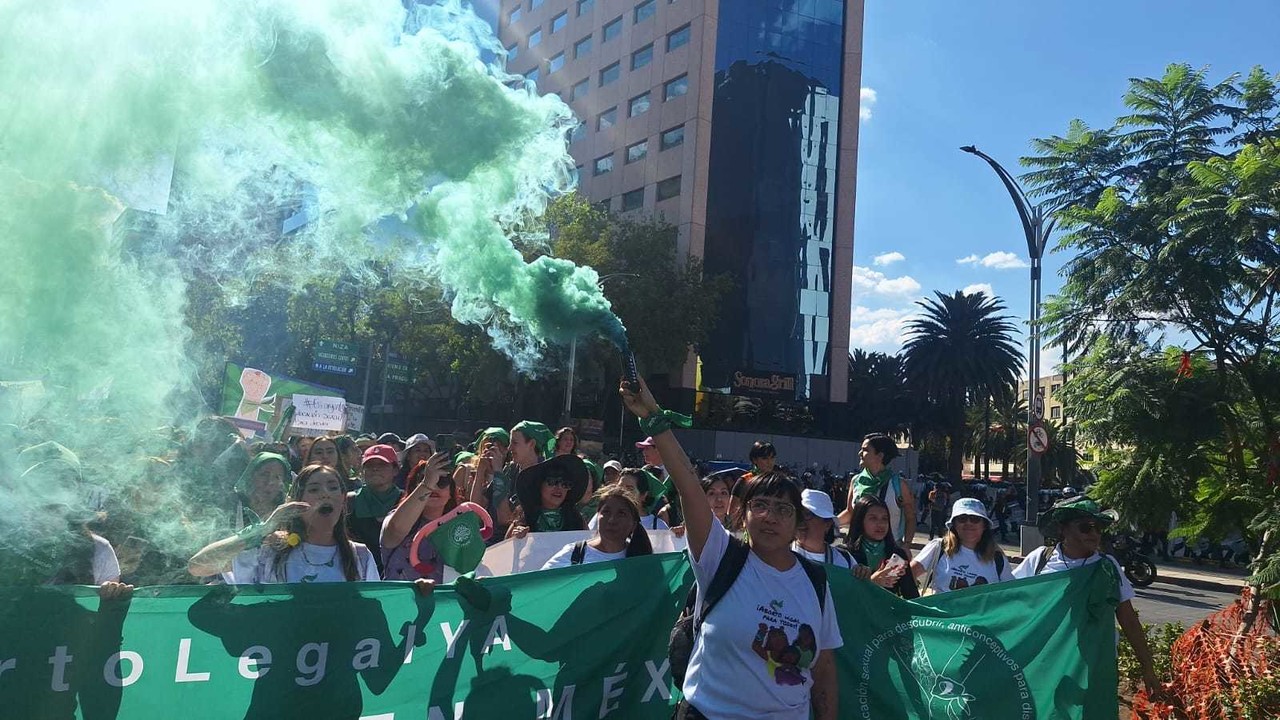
(250, 393)
(580, 642)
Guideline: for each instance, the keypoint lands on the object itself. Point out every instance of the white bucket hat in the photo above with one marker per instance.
(968, 506)
(818, 503)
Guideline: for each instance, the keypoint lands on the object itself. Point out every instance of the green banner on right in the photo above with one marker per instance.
(1037, 649)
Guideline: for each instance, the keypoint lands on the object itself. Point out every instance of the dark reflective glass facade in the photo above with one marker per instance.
(771, 189)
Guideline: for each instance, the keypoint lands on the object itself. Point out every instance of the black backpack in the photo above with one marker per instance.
(680, 644)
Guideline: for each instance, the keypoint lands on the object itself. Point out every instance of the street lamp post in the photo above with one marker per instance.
(1037, 227)
(567, 412)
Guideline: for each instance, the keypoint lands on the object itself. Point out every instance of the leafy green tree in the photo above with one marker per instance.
(960, 351)
(879, 399)
(1172, 216)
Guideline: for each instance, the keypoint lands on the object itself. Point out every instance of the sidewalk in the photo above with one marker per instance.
(1177, 571)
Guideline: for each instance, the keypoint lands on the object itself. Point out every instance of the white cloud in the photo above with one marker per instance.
(867, 99)
(874, 282)
(888, 258)
(980, 288)
(1000, 260)
(882, 329)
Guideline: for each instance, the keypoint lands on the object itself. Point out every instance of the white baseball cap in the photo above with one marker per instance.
(613, 465)
(818, 503)
(968, 506)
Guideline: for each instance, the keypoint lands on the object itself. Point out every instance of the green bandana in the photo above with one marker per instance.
(371, 504)
(459, 542)
(540, 434)
(496, 433)
(874, 550)
(549, 521)
(242, 485)
(864, 483)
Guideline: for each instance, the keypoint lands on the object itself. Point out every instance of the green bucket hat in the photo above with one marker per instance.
(1074, 508)
(540, 434)
(597, 472)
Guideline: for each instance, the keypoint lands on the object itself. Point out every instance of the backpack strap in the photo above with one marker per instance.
(579, 553)
(818, 577)
(735, 558)
(1043, 559)
(999, 565)
(844, 554)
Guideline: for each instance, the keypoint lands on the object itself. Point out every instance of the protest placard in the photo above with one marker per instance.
(317, 412)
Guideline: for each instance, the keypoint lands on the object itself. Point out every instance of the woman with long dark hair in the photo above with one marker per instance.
(547, 493)
(619, 532)
(324, 451)
(873, 546)
(428, 494)
(306, 540)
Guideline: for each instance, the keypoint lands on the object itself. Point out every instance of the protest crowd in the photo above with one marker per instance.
(369, 508)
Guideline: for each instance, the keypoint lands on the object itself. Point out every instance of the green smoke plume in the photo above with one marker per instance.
(214, 115)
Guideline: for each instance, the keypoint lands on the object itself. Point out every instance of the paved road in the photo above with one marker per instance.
(1162, 603)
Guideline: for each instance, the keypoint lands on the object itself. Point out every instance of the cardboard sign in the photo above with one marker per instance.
(317, 412)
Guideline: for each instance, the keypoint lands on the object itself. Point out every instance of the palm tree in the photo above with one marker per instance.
(960, 351)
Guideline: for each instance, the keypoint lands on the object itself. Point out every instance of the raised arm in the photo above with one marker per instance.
(410, 508)
(216, 557)
(697, 511)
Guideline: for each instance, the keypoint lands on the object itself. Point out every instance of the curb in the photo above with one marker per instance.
(1197, 583)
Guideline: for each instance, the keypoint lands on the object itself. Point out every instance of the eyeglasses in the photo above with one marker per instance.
(558, 482)
(781, 510)
(965, 519)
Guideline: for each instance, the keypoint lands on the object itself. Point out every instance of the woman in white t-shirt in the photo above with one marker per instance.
(966, 555)
(640, 482)
(310, 545)
(619, 533)
(766, 648)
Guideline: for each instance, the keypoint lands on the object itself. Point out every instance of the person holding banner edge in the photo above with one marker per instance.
(784, 672)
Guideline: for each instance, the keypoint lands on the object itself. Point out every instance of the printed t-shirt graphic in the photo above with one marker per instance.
(959, 571)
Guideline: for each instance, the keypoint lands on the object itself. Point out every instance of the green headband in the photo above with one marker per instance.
(496, 433)
(540, 434)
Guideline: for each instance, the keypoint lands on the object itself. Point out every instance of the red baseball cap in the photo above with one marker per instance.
(385, 453)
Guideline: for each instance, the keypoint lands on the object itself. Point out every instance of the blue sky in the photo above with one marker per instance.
(939, 74)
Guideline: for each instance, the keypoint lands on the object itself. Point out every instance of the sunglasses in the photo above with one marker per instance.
(1088, 527)
(968, 519)
(558, 482)
(444, 481)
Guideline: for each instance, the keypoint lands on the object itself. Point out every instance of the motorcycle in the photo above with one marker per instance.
(1139, 568)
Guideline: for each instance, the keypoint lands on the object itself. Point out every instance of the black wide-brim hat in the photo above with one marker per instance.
(569, 467)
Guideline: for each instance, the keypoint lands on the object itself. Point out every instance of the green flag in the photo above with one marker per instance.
(582, 642)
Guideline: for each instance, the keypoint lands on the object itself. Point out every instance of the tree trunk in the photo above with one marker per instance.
(986, 442)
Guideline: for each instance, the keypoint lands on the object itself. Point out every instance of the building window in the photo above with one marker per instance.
(1055, 412)
(645, 10)
(535, 38)
(582, 48)
(638, 105)
(579, 132)
(675, 87)
(1053, 389)
(677, 38)
(607, 119)
(535, 4)
(555, 63)
(516, 12)
(558, 22)
(585, 6)
(637, 152)
(633, 200)
(532, 75)
(1026, 394)
(605, 205)
(668, 188)
(513, 52)
(579, 89)
(604, 165)
(610, 74)
(642, 57)
(672, 138)
(613, 29)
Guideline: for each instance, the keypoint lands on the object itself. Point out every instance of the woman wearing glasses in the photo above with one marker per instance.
(1078, 523)
(547, 493)
(765, 649)
(428, 494)
(966, 555)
